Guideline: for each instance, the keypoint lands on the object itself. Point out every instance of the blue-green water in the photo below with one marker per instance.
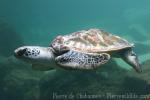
(38, 22)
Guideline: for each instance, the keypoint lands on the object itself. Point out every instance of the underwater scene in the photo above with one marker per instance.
(39, 22)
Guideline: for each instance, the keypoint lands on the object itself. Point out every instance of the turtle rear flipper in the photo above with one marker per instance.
(80, 60)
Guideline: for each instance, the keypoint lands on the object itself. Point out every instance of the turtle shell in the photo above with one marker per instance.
(90, 41)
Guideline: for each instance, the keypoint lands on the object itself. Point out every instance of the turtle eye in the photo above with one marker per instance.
(21, 52)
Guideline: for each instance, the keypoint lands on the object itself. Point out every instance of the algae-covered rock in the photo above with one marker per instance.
(145, 75)
(138, 83)
(18, 80)
(108, 80)
(60, 83)
(9, 38)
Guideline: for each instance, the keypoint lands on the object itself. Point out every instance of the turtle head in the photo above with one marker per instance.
(34, 54)
(132, 59)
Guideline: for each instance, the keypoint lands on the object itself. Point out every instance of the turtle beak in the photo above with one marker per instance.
(19, 52)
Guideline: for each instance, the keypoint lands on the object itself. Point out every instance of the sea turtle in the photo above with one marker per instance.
(83, 50)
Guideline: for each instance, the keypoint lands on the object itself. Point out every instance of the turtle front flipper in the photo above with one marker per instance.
(80, 60)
